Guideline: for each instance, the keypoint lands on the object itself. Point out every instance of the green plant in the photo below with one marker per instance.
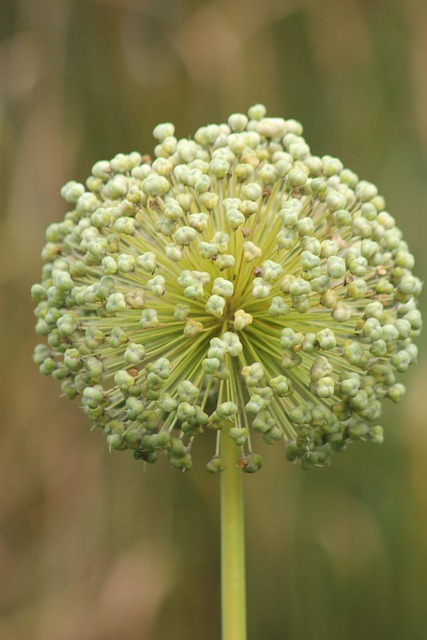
(235, 283)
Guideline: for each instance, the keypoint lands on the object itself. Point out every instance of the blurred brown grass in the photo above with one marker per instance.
(91, 547)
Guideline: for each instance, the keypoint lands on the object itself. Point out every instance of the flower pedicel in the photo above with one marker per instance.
(234, 282)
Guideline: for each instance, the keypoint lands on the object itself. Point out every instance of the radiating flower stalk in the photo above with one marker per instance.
(233, 282)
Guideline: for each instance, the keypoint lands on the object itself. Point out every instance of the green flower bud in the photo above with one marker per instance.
(257, 112)
(235, 218)
(309, 343)
(290, 359)
(223, 287)
(365, 191)
(109, 266)
(215, 305)
(253, 374)
(123, 379)
(116, 302)
(135, 299)
(224, 261)
(134, 353)
(116, 188)
(350, 386)
(199, 221)
(401, 360)
(376, 435)
(52, 316)
(396, 392)
(271, 270)
(73, 359)
(185, 411)
(41, 353)
(389, 333)
(300, 415)
(326, 339)
(218, 348)
(116, 442)
(297, 177)
(147, 261)
(331, 166)
(289, 214)
(185, 235)
(233, 344)
(336, 267)
(47, 366)
(226, 410)
(263, 422)
(181, 312)
(161, 367)
(117, 337)
(260, 288)
(282, 386)
(238, 122)
(125, 225)
(252, 463)
(286, 238)
(215, 465)
(72, 191)
(149, 319)
(161, 441)
(101, 170)
(360, 400)
(157, 285)
(325, 387)
(256, 404)
(309, 261)
(372, 329)
(252, 191)
(239, 435)
(134, 408)
(278, 307)
(341, 312)
(251, 251)
(93, 396)
(208, 250)
(187, 391)
(357, 289)
(211, 365)
(289, 338)
(155, 185)
(125, 263)
(38, 293)
(305, 227)
(273, 435)
(242, 320)
(163, 131)
(320, 368)
(335, 200)
(192, 328)
(61, 373)
(66, 325)
(62, 281)
(300, 287)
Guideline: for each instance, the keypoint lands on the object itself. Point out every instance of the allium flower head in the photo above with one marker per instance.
(234, 282)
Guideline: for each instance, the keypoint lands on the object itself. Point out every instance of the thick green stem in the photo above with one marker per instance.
(233, 585)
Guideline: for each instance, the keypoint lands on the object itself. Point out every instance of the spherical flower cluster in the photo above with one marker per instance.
(234, 282)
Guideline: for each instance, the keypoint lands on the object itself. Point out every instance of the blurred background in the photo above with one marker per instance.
(92, 547)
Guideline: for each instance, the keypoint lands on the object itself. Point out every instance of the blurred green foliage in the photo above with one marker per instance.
(91, 546)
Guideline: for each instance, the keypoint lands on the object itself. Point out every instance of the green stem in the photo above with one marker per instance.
(233, 585)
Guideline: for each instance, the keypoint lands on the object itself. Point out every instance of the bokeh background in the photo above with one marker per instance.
(92, 547)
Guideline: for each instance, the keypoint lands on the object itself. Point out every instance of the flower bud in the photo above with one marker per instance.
(215, 305)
